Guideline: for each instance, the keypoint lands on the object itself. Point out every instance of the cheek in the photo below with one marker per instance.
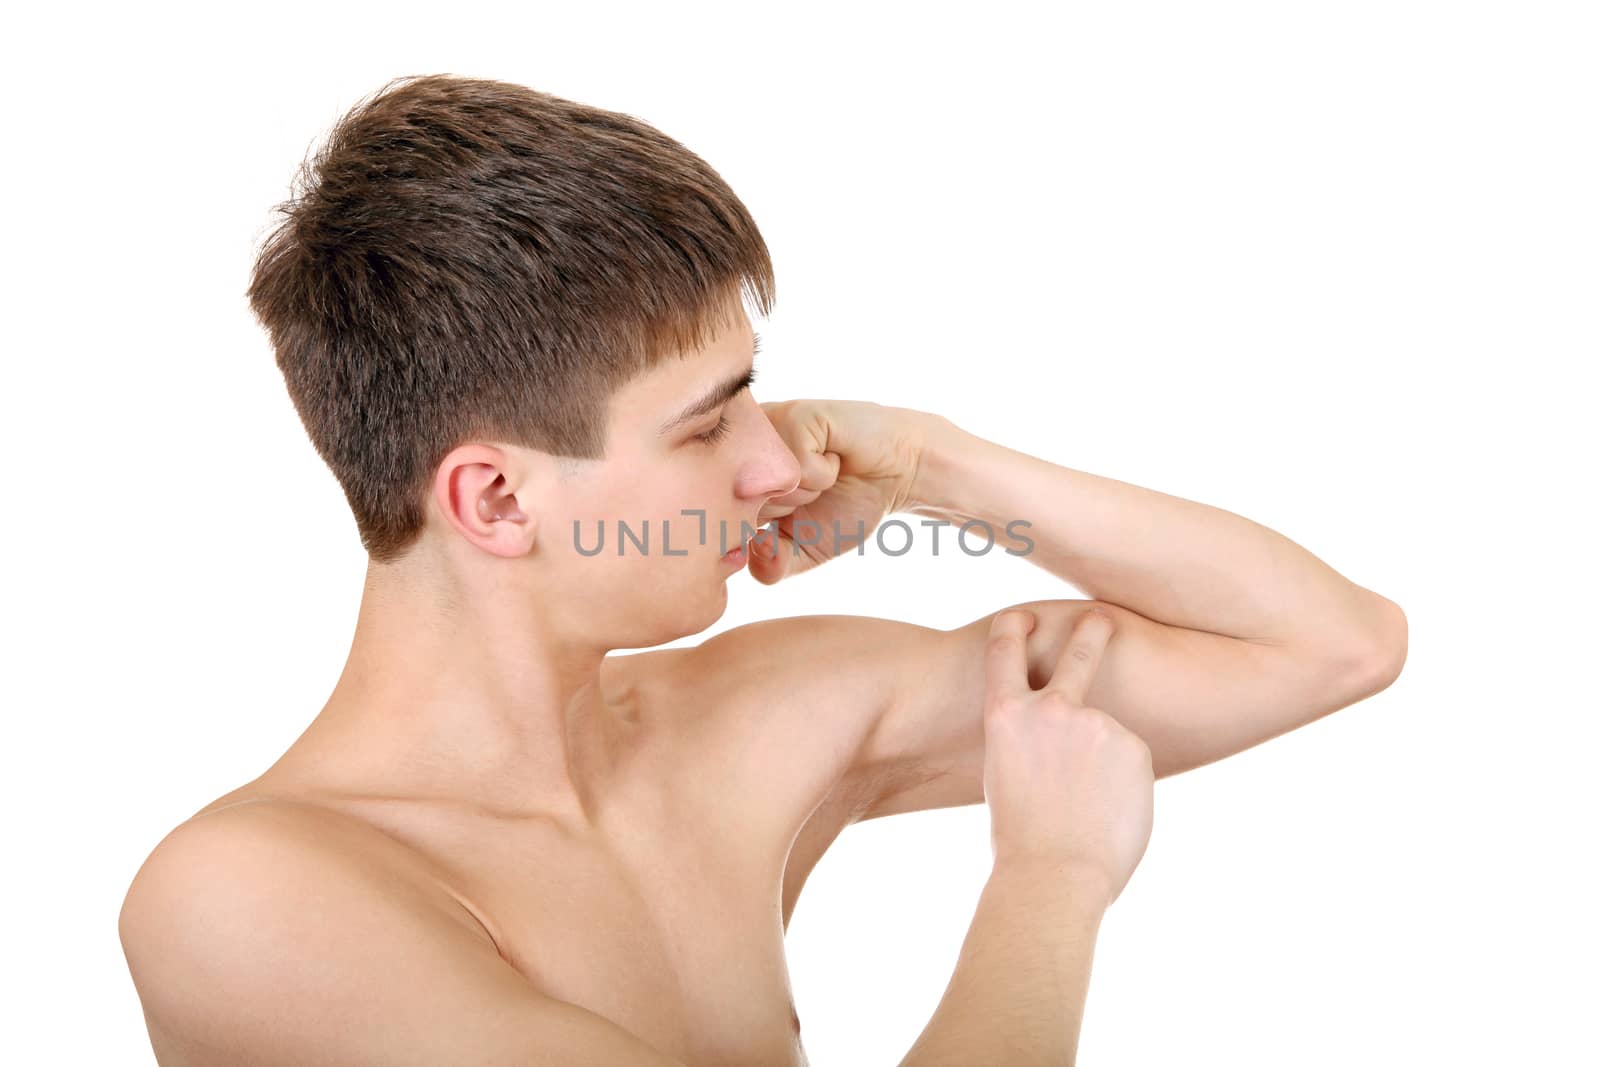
(664, 520)
(683, 494)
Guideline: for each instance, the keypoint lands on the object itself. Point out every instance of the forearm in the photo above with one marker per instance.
(1172, 560)
(1017, 994)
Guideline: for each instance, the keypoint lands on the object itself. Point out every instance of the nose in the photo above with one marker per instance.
(774, 471)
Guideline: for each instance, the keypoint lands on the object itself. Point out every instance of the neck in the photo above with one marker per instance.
(463, 688)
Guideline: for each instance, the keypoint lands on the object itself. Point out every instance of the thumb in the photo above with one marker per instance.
(766, 561)
(774, 554)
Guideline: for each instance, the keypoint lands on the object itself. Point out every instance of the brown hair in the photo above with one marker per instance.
(466, 259)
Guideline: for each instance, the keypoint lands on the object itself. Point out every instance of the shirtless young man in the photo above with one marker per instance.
(505, 318)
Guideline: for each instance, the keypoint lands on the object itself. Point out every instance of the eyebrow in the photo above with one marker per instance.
(716, 396)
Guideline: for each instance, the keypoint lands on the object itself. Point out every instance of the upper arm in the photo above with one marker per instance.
(790, 704)
(255, 940)
(795, 699)
(1192, 696)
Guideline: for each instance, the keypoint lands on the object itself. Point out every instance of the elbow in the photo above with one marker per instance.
(1381, 654)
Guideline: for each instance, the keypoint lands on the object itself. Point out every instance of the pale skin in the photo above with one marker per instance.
(499, 842)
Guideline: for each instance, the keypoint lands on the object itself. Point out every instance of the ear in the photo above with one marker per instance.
(476, 489)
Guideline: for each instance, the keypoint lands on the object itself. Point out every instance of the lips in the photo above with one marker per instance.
(744, 545)
(737, 555)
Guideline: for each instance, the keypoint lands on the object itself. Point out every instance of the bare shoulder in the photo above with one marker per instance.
(273, 932)
(818, 678)
(843, 654)
(793, 702)
(794, 705)
(258, 838)
(243, 903)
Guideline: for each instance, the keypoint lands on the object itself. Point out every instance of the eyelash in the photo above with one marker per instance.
(720, 430)
(716, 433)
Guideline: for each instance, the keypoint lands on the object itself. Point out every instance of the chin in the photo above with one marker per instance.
(716, 605)
(693, 611)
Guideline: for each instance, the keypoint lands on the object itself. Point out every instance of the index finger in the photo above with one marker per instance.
(1006, 657)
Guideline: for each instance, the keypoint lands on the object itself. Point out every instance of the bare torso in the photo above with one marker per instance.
(667, 914)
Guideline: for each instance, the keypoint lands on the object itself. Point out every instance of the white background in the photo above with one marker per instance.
(1331, 267)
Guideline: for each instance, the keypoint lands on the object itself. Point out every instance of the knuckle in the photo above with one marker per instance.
(1096, 721)
(1055, 700)
(1135, 747)
(1003, 707)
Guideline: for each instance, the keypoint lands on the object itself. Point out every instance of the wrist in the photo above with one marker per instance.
(936, 486)
(1086, 885)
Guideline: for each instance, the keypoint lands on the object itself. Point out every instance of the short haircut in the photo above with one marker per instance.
(466, 259)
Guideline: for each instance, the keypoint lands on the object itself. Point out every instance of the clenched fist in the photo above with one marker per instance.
(858, 463)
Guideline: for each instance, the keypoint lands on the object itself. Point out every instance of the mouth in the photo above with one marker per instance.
(738, 556)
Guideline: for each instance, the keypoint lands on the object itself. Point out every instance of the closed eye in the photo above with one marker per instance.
(716, 433)
(720, 430)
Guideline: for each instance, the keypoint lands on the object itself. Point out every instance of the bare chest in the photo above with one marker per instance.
(665, 912)
(682, 944)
